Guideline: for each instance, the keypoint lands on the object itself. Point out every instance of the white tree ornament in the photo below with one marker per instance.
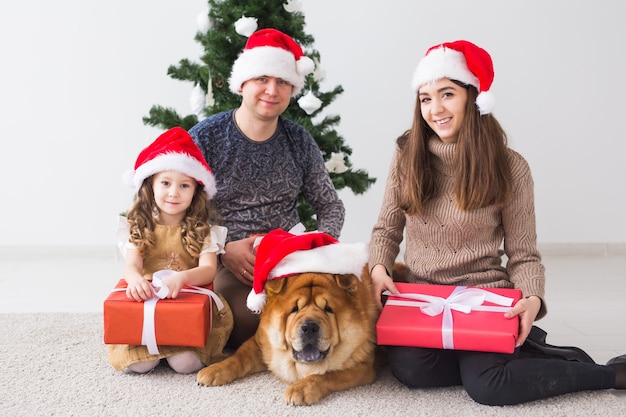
(319, 74)
(293, 6)
(246, 26)
(210, 99)
(309, 103)
(197, 100)
(336, 163)
(203, 21)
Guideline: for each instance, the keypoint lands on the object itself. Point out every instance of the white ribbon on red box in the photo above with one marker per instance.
(148, 333)
(462, 299)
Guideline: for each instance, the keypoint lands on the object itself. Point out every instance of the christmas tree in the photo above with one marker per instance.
(222, 31)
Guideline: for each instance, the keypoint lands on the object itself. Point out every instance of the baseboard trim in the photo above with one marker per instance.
(567, 249)
(582, 249)
(99, 251)
(47, 251)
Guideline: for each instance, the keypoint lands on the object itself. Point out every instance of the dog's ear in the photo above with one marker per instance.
(346, 281)
(274, 286)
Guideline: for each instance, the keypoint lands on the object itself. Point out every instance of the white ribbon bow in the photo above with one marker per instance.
(462, 299)
(148, 333)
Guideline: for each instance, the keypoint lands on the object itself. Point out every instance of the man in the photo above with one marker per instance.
(262, 162)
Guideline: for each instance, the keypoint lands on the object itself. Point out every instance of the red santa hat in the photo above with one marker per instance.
(461, 61)
(174, 150)
(281, 254)
(272, 53)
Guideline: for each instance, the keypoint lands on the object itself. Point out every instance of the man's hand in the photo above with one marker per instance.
(239, 259)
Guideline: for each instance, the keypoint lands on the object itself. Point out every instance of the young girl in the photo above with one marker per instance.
(170, 228)
(461, 194)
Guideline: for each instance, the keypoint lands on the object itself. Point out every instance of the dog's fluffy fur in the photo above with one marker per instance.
(317, 333)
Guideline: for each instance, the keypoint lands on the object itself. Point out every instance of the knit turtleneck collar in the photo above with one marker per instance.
(444, 154)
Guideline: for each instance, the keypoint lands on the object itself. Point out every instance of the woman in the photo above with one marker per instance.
(464, 199)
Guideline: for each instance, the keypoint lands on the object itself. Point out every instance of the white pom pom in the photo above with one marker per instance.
(305, 65)
(128, 177)
(309, 103)
(486, 101)
(246, 26)
(203, 21)
(256, 302)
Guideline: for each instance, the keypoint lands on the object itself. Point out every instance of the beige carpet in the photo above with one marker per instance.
(55, 365)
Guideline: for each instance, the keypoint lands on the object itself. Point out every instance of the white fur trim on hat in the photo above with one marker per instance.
(270, 61)
(443, 63)
(338, 258)
(180, 162)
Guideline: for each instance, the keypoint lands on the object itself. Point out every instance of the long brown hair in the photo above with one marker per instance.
(195, 226)
(482, 176)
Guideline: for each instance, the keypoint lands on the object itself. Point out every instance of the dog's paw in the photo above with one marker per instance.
(303, 392)
(214, 375)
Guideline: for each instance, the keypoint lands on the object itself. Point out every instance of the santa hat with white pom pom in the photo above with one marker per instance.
(272, 53)
(173, 150)
(461, 61)
(282, 254)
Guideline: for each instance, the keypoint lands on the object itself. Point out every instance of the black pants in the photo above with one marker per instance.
(496, 378)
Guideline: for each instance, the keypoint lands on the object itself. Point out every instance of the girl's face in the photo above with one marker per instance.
(442, 104)
(173, 194)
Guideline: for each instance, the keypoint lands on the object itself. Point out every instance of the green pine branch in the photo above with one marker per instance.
(222, 45)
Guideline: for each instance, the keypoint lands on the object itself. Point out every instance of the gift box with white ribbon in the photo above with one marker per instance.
(449, 317)
(183, 321)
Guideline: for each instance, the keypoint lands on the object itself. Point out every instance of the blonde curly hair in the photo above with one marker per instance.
(195, 226)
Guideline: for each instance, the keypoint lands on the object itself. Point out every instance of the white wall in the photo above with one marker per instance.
(78, 76)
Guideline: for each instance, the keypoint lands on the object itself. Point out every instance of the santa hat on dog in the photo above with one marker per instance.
(281, 254)
(461, 61)
(174, 150)
(272, 53)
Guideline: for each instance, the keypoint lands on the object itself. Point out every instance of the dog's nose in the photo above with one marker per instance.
(309, 327)
(309, 332)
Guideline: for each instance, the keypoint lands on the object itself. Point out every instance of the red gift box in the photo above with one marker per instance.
(182, 321)
(449, 317)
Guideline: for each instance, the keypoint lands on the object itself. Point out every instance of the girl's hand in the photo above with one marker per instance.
(203, 274)
(381, 281)
(139, 289)
(527, 310)
(239, 259)
(174, 284)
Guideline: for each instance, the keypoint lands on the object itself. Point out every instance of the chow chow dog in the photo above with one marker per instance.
(316, 333)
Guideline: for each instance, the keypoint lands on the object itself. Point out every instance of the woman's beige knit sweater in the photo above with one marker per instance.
(450, 246)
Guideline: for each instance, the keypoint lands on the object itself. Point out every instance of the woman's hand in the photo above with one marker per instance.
(239, 259)
(381, 281)
(527, 310)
